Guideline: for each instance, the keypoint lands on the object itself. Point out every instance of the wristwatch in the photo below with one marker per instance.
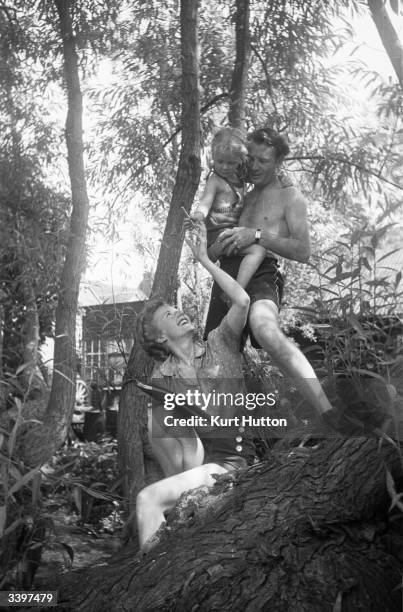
(258, 235)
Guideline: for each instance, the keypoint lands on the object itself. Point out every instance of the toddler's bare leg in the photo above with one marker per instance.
(254, 255)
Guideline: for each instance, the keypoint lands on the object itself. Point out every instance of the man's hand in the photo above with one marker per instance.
(197, 241)
(235, 239)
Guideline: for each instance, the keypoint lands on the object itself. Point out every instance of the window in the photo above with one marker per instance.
(94, 360)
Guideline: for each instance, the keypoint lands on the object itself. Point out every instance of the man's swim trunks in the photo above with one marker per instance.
(266, 284)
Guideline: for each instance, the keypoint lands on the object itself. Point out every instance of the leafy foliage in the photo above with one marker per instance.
(292, 86)
(355, 295)
(87, 474)
(33, 213)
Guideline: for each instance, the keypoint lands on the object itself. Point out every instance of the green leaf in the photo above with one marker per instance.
(337, 606)
(382, 230)
(370, 373)
(364, 261)
(305, 309)
(14, 431)
(23, 481)
(369, 250)
(21, 368)
(15, 472)
(394, 495)
(14, 525)
(391, 389)
(355, 324)
(329, 269)
(69, 551)
(388, 255)
(330, 291)
(77, 495)
(36, 488)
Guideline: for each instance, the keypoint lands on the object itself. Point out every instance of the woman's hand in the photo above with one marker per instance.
(197, 241)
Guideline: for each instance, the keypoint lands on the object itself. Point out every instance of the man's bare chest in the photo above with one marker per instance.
(268, 207)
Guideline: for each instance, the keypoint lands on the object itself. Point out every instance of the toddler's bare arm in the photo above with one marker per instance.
(207, 199)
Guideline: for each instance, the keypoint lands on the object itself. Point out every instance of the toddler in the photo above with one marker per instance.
(223, 198)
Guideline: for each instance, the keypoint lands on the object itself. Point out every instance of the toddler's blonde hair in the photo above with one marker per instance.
(229, 139)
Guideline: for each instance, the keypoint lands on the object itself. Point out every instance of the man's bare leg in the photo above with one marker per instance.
(263, 320)
(155, 499)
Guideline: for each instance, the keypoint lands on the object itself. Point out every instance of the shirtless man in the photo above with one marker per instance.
(275, 217)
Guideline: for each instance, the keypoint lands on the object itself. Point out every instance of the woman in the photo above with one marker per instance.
(214, 365)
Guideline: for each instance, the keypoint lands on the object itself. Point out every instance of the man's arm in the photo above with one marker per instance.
(238, 313)
(296, 246)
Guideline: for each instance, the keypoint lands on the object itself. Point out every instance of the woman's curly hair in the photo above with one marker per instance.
(147, 333)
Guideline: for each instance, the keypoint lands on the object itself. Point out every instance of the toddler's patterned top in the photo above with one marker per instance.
(227, 206)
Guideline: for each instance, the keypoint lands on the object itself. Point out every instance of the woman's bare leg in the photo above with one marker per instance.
(155, 499)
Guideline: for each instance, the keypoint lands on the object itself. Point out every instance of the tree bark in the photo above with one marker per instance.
(31, 375)
(3, 388)
(135, 458)
(237, 113)
(298, 532)
(188, 175)
(136, 461)
(43, 441)
(388, 35)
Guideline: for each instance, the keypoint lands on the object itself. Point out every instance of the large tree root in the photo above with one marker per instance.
(297, 533)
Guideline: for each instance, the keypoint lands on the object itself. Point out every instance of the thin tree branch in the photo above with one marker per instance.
(268, 77)
(391, 144)
(203, 109)
(388, 35)
(239, 81)
(343, 160)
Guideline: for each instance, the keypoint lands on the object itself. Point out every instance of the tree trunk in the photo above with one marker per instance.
(3, 388)
(304, 532)
(31, 375)
(188, 176)
(135, 460)
(388, 35)
(237, 115)
(43, 441)
(138, 468)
